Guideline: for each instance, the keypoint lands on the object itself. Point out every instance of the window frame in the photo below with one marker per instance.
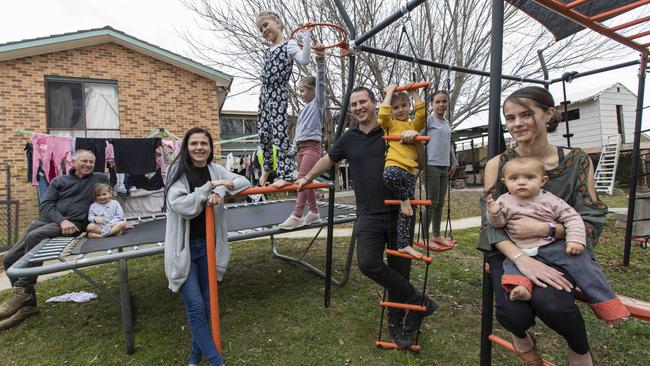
(83, 82)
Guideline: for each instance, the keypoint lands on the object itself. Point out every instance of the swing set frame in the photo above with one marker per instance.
(496, 143)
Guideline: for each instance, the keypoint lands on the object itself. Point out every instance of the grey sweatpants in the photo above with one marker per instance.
(582, 268)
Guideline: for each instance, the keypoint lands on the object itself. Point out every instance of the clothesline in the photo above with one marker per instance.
(163, 132)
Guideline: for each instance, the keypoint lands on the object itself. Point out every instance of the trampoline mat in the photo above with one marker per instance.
(238, 217)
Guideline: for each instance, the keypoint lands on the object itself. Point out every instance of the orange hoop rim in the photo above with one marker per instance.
(342, 41)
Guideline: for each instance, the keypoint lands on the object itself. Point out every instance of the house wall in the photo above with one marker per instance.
(151, 93)
(586, 130)
(608, 101)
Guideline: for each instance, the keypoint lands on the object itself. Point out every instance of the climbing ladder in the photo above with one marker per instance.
(606, 170)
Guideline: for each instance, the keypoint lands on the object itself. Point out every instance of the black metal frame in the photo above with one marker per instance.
(496, 143)
(59, 249)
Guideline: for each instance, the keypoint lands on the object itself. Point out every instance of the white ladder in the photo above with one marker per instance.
(606, 170)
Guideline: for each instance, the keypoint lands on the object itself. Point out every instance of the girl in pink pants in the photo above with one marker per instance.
(307, 140)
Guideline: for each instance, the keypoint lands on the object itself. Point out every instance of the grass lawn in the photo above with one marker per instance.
(272, 314)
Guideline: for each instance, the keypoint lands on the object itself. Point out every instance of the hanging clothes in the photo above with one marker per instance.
(135, 156)
(30, 166)
(98, 147)
(51, 152)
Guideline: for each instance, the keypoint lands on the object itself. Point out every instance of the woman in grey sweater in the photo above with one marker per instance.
(441, 162)
(194, 183)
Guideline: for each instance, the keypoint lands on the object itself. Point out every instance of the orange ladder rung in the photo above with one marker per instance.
(397, 138)
(507, 345)
(413, 202)
(389, 345)
(399, 305)
(397, 253)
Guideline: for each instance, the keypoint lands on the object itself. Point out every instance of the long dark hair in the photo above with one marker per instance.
(540, 98)
(182, 165)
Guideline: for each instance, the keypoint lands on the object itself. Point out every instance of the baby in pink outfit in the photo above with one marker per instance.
(524, 177)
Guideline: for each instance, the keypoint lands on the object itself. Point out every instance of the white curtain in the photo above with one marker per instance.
(102, 109)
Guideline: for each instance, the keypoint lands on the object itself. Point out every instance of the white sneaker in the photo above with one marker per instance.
(292, 222)
(312, 217)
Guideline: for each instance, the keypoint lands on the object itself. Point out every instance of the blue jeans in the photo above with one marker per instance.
(196, 297)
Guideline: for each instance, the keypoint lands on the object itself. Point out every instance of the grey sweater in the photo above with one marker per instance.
(182, 206)
(310, 124)
(69, 197)
(439, 150)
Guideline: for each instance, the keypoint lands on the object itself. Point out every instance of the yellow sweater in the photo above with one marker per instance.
(402, 155)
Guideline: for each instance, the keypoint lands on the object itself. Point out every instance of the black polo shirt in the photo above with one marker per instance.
(366, 155)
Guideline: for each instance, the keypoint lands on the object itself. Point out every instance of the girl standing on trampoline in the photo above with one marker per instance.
(274, 96)
(400, 171)
(194, 183)
(307, 141)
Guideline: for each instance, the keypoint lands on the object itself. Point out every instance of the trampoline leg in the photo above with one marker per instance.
(348, 261)
(125, 305)
(316, 270)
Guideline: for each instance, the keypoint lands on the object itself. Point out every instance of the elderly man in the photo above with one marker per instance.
(364, 149)
(64, 211)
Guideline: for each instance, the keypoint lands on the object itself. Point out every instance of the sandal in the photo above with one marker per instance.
(442, 246)
(532, 356)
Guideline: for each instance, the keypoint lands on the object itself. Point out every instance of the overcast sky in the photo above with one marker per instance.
(160, 22)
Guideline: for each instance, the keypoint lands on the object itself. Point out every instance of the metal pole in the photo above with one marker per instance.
(566, 103)
(388, 21)
(495, 137)
(542, 61)
(399, 56)
(125, 299)
(346, 19)
(597, 71)
(9, 236)
(330, 243)
(635, 160)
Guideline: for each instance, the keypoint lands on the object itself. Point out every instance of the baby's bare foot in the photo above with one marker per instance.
(520, 293)
(411, 251)
(94, 235)
(405, 208)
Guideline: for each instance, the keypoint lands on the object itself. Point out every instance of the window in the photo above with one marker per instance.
(573, 115)
(232, 125)
(82, 108)
(620, 123)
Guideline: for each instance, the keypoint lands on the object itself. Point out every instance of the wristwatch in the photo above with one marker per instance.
(551, 231)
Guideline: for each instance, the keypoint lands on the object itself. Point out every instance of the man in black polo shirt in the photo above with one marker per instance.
(364, 149)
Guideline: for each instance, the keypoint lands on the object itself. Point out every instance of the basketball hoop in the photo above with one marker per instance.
(341, 42)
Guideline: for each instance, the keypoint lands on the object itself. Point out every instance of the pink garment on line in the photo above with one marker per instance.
(50, 151)
(109, 153)
(308, 155)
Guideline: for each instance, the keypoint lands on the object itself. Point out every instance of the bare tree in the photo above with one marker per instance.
(455, 32)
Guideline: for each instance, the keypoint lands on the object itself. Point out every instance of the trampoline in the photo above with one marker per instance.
(244, 221)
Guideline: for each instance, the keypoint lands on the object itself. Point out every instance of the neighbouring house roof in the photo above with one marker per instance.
(91, 37)
(586, 95)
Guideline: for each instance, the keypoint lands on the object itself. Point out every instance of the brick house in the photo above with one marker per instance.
(148, 88)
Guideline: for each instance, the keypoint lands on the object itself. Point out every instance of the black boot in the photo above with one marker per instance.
(396, 330)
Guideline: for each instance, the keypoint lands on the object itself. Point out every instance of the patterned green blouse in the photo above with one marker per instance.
(569, 181)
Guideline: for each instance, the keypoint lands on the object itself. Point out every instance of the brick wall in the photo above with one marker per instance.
(152, 94)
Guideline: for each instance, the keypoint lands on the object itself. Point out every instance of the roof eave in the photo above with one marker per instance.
(108, 35)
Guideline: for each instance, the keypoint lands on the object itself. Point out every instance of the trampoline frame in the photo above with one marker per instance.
(58, 249)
